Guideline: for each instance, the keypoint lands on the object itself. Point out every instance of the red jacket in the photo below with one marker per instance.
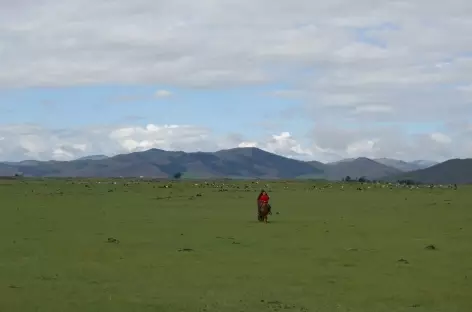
(264, 198)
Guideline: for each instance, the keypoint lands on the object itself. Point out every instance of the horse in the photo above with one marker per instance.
(263, 212)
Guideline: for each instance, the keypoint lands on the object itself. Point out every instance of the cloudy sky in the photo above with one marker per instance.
(307, 79)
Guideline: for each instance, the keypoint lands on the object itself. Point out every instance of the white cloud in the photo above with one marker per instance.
(163, 93)
(373, 62)
(466, 88)
(287, 145)
(51, 42)
(339, 141)
(326, 143)
(441, 138)
(374, 109)
(34, 142)
(247, 144)
(362, 148)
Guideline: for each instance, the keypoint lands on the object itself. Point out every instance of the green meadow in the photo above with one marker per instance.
(78, 245)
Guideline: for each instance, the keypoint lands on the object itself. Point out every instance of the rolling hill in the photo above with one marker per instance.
(398, 164)
(404, 165)
(452, 171)
(425, 163)
(359, 167)
(7, 169)
(242, 163)
(237, 163)
(93, 157)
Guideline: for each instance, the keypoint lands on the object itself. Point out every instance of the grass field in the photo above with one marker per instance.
(324, 250)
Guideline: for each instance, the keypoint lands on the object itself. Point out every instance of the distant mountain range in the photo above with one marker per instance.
(93, 157)
(458, 171)
(406, 166)
(242, 163)
(359, 167)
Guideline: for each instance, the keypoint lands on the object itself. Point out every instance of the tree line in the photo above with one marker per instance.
(364, 179)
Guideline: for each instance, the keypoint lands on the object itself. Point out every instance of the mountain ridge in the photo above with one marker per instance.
(452, 171)
(241, 162)
(404, 165)
(358, 168)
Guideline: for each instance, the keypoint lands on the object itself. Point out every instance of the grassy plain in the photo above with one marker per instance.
(325, 249)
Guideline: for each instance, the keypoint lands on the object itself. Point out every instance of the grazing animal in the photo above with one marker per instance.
(263, 206)
(263, 212)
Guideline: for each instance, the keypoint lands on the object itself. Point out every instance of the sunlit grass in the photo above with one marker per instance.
(140, 247)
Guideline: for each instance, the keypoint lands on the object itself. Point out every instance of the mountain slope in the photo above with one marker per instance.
(318, 165)
(424, 163)
(399, 164)
(263, 164)
(457, 171)
(239, 162)
(359, 167)
(233, 163)
(7, 170)
(341, 161)
(93, 157)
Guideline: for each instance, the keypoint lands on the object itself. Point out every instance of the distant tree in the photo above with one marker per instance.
(348, 179)
(178, 175)
(362, 180)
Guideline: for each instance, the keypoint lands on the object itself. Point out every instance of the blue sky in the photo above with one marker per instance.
(223, 110)
(238, 110)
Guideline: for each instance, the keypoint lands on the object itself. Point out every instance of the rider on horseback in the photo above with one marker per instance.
(263, 198)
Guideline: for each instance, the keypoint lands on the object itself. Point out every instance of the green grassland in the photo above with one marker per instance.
(89, 246)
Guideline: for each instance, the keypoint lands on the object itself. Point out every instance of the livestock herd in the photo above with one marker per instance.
(228, 185)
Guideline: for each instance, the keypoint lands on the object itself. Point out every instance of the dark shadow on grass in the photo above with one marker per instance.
(270, 221)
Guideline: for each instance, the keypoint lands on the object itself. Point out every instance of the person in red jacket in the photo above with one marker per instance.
(263, 198)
